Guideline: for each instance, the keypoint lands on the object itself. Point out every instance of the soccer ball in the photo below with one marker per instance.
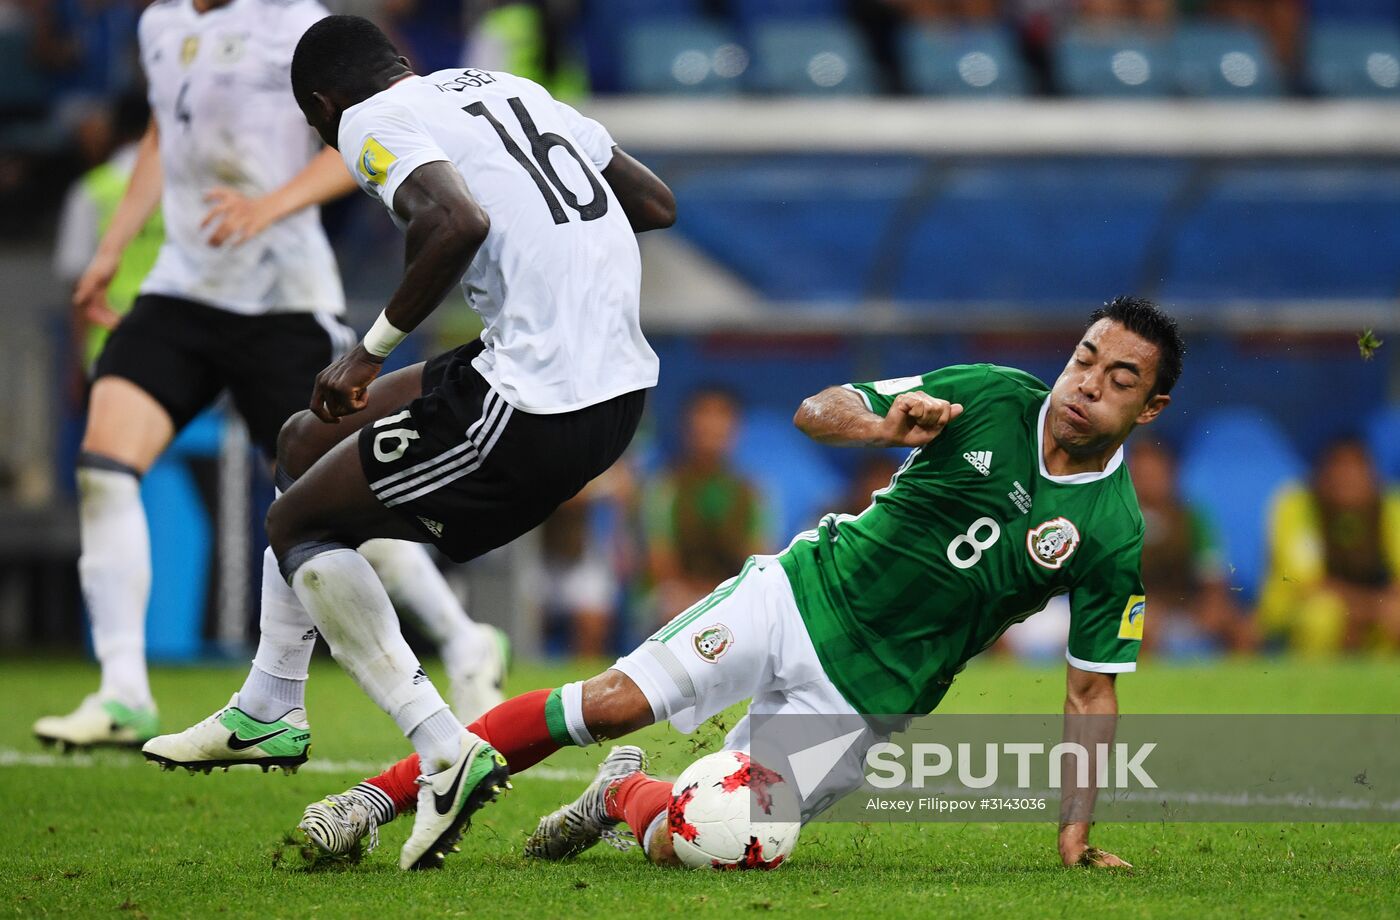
(713, 809)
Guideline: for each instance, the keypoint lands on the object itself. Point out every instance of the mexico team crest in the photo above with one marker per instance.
(1053, 542)
(712, 642)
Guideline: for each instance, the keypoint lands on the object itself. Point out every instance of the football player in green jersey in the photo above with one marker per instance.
(1013, 493)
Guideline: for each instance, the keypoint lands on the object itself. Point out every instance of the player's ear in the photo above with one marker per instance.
(1154, 408)
(404, 61)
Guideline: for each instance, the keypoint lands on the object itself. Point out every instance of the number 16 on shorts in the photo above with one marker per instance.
(391, 443)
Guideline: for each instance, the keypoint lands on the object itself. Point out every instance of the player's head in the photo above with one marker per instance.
(711, 424)
(340, 61)
(1345, 475)
(1120, 376)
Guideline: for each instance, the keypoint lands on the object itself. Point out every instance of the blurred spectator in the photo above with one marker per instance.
(873, 473)
(583, 549)
(1135, 12)
(702, 518)
(88, 46)
(87, 210)
(1335, 559)
(1188, 595)
(531, 39)
(1280, 21)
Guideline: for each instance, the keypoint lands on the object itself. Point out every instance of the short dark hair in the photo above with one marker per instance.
(340, 54)
(1144, 318)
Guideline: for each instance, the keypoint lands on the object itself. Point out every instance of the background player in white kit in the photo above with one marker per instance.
(243, 296)
(533, 209)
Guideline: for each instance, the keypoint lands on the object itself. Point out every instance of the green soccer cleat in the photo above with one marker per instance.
(99, 723)
(230, 738)
(448, 799)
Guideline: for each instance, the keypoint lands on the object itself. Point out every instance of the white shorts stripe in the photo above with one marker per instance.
(451, 465)
(341, 336)
(467, 445)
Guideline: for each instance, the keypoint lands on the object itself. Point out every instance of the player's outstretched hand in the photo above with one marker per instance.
(236, 217)
(915, 419)
(343, 388)
(1093, 858)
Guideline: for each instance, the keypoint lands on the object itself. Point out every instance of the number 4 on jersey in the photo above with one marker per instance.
(540, 146)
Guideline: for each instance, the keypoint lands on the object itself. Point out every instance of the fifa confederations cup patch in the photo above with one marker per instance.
(374, 161)
(712, 642)
(1053, 542)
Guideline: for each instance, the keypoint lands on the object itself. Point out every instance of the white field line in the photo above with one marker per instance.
(9, 757)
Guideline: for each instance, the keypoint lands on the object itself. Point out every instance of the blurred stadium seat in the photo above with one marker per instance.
(1290, 232)
(690, 57)
(810, 57)
(1353, 60)
(605, 22)
(1223, 61)
(1233, 465)
(806, 230)
(1371, 11)
(1098, 62)
(1037, 232)
(961, 62)
(1383, 437)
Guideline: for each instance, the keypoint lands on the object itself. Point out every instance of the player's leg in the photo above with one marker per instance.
(148, 387)
(298, 346)
(292, 349)
(528, 728)
(473, 654)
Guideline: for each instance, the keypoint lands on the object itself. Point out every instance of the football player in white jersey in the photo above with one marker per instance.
(533, 210)
(244, 296)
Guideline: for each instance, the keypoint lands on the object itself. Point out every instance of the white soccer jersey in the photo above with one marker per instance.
(221, 93)
(557, 281)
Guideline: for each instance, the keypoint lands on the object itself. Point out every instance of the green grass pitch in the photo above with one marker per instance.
(107, 835)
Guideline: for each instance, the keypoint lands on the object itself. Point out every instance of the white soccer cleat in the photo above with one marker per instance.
(98, 723)
(569, 830)
(230, 738)
(346, 825)
(477, 682)
(448, 799)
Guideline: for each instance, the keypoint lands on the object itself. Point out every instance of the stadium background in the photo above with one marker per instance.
(866, 189)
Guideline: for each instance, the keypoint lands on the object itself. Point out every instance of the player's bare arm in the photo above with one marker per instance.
(646, 200)
(138, 203)
(838, 416)
(1087, 693)
(444, 227)
(235, 217)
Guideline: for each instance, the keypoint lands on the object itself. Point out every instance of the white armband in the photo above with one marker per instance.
(383, 337)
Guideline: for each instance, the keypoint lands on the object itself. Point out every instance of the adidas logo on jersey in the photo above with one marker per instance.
(434, 526)
(981, 461)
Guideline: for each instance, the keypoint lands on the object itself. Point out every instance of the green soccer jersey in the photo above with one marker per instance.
(971, 536)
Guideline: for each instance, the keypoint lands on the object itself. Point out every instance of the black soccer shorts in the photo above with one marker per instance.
(471, 472)
(185, 353)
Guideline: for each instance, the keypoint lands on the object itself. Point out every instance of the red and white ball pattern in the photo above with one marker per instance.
(716, 813)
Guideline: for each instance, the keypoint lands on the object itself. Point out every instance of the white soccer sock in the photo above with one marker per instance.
(287, 638)
(115, 572)
(350, 608)
(418, 590)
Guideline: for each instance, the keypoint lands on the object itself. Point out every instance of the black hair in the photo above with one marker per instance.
(1144, 318)
(342, 55)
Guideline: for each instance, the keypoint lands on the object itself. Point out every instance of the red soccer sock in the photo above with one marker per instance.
(637, 800)
(525, 729)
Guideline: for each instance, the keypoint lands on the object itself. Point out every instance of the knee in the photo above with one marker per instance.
(297, 446)
(282, 527)
(613, 705)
